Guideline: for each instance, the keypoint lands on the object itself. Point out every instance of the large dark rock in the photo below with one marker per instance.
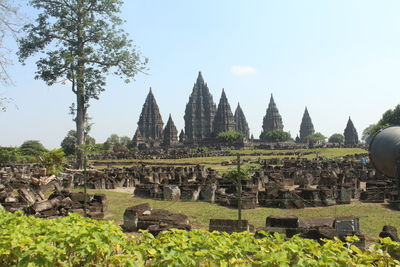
(283, 221)
(389, 231)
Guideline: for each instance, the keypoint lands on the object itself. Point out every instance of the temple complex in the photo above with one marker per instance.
(272, 119)
(306, 127)
(150, 123)
(223, 120)
(203, 122)
(241, 122)
(350, 134)
(199, 113)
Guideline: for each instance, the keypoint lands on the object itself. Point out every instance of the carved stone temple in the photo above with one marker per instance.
(150, 123)
(350, 134)
(272, 119)
(170, 133)
(306, 127)
(199, 113)
(241, 122)
(223, 120)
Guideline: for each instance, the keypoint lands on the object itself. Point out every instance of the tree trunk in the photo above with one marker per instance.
(80, 128)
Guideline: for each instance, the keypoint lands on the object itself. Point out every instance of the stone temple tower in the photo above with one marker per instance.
(170, 133)
(199, 112)
(241, 122)
(150, 122)
(306, 127)
(272, 119)
(350, 134)
(223, 120)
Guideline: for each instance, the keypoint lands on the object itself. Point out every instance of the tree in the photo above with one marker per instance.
(229, 137)
(9, 154)
(84, 43)
(116, 143)
(53, 161)
(275, 136)
(68, 144)
(336, 138)
(32, 148)
(316, 138)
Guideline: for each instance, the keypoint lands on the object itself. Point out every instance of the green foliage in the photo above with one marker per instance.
(68, 144)
(275, 136)
(229, 137)
(116, 143)
(32, 148)
(390, 118)
(9, 154)
(78, 241)
(234, 175)
(53, 161)
(316, 138)
(81, 42)
(336, 138)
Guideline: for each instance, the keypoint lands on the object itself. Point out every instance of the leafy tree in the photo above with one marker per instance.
(275, 136)
(82, 42)
(68, 144)
(316, 138)
(53, 161)
(336, 138)
(233, 174)
(32, 148)
(9, 154)
(229, 137)
(116, 143)
(390, 118)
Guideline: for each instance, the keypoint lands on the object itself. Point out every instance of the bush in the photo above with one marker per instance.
(78, 241)
(275, 136)
(53, 161)
(336, 138)
(229, 137)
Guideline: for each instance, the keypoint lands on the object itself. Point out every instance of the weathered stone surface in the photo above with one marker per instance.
(171, 192)
(170, 134)
(283, 221)
(389, 231)
(131, 216)
(150, 122)
(208, 193)
(350, 134)
(199, 112)
(306, 126)
(223, 120)
(241, 124)
(229, 226)
(272, 119)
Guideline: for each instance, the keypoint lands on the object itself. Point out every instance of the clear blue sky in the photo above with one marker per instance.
(339, 58)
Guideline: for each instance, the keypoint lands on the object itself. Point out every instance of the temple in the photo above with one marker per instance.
(150, 123)
(350, 134)
(170, 133)
(272, 119)
(223, 120)
(306, 127)
(199, 113)
(241, 122)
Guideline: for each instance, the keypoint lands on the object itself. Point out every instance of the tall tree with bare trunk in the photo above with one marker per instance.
(80, 41)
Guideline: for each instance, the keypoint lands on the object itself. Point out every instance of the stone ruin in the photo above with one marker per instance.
(142, 217)
(22, 191)
(281, 183)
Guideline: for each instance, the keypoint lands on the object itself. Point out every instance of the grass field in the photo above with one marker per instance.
(372, 216)
(215, 162)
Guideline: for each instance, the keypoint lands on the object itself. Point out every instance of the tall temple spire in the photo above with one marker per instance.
(150, 122)
(306, 126)
(223, 120)
(241, 122)
(199, 112)
(350, 134)
(272, 119)
(170, 133)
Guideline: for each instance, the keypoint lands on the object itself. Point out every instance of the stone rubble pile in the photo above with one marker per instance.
(142, 217)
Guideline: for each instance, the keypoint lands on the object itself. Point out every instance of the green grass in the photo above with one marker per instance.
(372, 216)
(215, 162)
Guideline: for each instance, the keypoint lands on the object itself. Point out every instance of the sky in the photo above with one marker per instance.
(338, 58)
